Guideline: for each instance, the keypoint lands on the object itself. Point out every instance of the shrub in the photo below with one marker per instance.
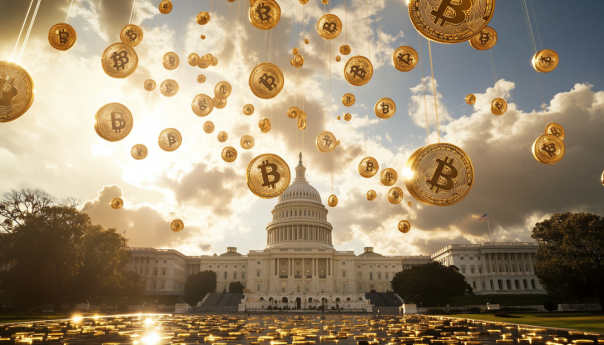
(550, 306)
(436, 311)
(500, 313)
(475, 310)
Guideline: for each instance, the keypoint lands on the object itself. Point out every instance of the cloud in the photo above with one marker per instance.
(421, 105)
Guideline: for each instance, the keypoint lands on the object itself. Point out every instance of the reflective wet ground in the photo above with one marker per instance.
(285, 329)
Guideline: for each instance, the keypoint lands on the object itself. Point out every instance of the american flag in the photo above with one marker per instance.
(484, 216)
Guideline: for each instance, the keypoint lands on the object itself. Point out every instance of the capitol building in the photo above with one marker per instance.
(299, 260)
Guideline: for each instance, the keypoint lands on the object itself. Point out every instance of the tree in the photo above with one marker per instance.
(430, 284)
(236, 287)
(570, 258)
(198, 285)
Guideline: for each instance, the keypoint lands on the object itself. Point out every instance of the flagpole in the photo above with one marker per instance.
(489, 225)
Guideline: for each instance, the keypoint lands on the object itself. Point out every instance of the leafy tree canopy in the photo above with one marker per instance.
(236, 287)
(198, 285)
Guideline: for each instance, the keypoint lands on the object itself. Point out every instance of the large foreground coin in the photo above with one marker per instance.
(119, 60)
(358, 70)
(113, 122)
(131, 35)
(229, 154)
(404, 226)
(545, 61)
(139, 151)
(62, 36)
(450, 21)
(439, 174)
(208, 127)
(265, 14)
(499, 106)
(16, 91)
(384, 108)
(202, 105)
(177, 225)
(555, 129)
(222, 90)
(150, 85)
(268, 175)
(266, 80)
(117, 203)
(405, 58)
(170, 60)
(348, 99)
(329, 26)
(247, 142)
(388, 177)
(169, 87)
(332, 201)
(548, 149)
(368, 167)
(485, 40)
(326, 142)
(395, 195)
(169, 139)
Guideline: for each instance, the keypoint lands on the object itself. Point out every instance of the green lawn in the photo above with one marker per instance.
(584, 321)
(25, 317)
(511, 300)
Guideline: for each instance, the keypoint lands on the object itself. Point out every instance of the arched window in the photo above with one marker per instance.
(533, 283)
(344, 274)
(370, 275)
(379, 275)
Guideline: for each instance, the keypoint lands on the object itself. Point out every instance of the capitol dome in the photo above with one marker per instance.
(299, 218)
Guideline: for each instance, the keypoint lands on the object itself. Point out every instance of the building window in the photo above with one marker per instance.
(162, 285)
(225, 275)
(155, 272)
(234, 275)
(282, 262)
(343, 263)
(283, 273)
(257, 287)
(235, 266)
(462, 257)
(257, 262)
(344, 274)
(210, 266)
(163, 271)
(386, 275)
(479, 269)
(463, 270)
(218, 266)
(242, 266)
(471, 258)
(282, 287)
(472, 270)
(298, 263)
(379, 275)
(378, 266)
(358, 266)
(370, 275)
(474, 284)
(257, 273)
(360, 275)
(478, 257)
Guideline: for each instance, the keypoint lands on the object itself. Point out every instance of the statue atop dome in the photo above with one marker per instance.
(300, 169)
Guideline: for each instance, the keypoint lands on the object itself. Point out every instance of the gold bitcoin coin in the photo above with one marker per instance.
(345, 49)
(405, 58)
(202, 105)
(214, 61)
(409, 203)
(17, 91)
(450, 21)
(302, 123)
(62, 36)
(248, 109)
(499, 106)
(265, 14)
(131, 35)
(337, 143)
(247, 142)
(303, 2)
(177, 225)
(358, 70)
(324, 2)
(298, 61)
(222, 90)
(329, 26)
(368, 167)
(439, 174)
(193, 59)
(204, 62)
(388, 177)
(169, 87)
(470, 99)
(117, 203)
(203, 37)
(545, 61)
(208, 127)
(384, 108)
(165, 6)
(229, 154)
(113, 122)
(306, 41)
(293, 112)
(150, 85)
(222, 136)
(119, 60)
(395, 195)
(338, 117)
(338, 58)
(139, 151)
(266, 80)
(485, 40)
(264, 125)
(404, 226)
(203, 18)
(347, 117)
(201, 78)
(169, 139)
(602, 178)
(220, 103)
(555, 129)
(371, 195)
(348, 99)
(326, 142)
(268, 175)
(332, 201)
(295, 51)
(548, 149)
(171, 61)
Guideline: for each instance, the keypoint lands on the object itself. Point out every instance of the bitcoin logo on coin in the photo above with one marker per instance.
(348, 99)
(247, 142)
(193, 59)
(470, 99)
(169, 87)
(170, 61)
(208, 127)
(165, 6)
(405, 58)
(150, 85)
(203, 18)
(345, 49)
(229, 154)
(358, 70)
(326, 142)
(297, 61)
(555, 129)
(266, 80)
(222, 90)
(385, 108)
(177, 225)
(548, 149)
(268, 176)
(293, 112)
(264, 125)
(117, 203)
(201, 78)
(16, 91)
(202, 105)
(499, 106)
(222, 136)
(439, 174)
(265, 14)
(404, 226)
(329, 26)
(545, 61)
(485, 40)
(347, 117)
(450, 21)
(248, 109)
(113, 122)
(388, 177)
(395, 195)
(220, 103)
(131, 35)
(368, 167)
(62, 36)
(139, 151)
(332, 201)
(169, 139)
(119, 60)
(371, 195)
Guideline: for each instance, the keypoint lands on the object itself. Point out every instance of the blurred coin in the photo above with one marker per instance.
(171, 61)
(395, 195)
(193, 59)
(17, 91)
(368, 167)
(222, 90)
(131, 35)
(62, 36)
(338, 58)
(306, 41)
(208, 127)
(345, 49)
(499, 106)
(203, 18)
(247, 142)
(347, 117)
(117, 203)
(150, 85)
(470, 99)
(298, 61)
(222, 136)
(214, 61)
(229, 154)
(264, 125)
(338, 117)
(139, 151)
(485, 40)
(302, 123)
(177, 225)
(169, 139)
(293, 112)
(329, 26)
(295, 51)
(248, 109)
(332, 201)
(268, 175)
(266, 80)
(348, 99)
(545, 61)
(555, 129)
(220, 103)
(202, 105)
(326, 141)
(405, 58)
(165, 6)
(119, 60)
(358, 70)
(203, 37)
(204, 62)
(548, 149)
(384, 108)
(388, 177)
(409, 203)
(201, 78)
(169, 87)
(404, 226)
(113, 122)
(265, 14)
(371, 195)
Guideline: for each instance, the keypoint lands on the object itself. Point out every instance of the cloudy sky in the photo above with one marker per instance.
(54, 146)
